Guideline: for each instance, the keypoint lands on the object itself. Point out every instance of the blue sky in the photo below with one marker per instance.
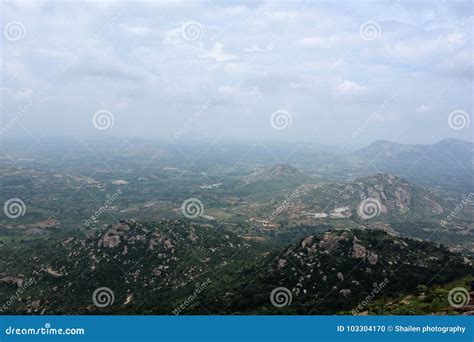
(347, 72)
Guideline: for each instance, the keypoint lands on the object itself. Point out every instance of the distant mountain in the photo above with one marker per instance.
(448, 163)
(448, 150)
(157, 267)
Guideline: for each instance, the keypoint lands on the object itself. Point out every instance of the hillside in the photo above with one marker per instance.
(152, 268)
(139, 261)
(334, 271)
(379, 196)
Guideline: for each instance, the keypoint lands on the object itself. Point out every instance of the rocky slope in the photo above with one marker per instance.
(335, 271)
(160, 260)
(158, 267)
(388, 195)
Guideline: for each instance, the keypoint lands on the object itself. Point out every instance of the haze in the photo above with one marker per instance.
(346, 74)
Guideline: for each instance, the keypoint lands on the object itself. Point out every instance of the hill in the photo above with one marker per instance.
(159, 267)
(335, 271)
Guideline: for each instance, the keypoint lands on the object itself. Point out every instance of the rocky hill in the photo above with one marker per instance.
(137, 261)
(160, 267)
(378, 196)
(334, 271)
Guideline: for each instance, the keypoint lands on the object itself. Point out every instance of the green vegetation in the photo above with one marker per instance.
(254, 214)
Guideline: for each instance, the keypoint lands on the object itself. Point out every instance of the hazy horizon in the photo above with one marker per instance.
(338, 75)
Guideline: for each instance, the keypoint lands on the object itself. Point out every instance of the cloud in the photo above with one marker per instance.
(259, 49)
(256, 56)
(107, 70)
(423, 108)
(350, 89)
(217, 53)
(136, 29)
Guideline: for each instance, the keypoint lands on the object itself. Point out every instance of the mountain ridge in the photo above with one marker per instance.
(153, 267)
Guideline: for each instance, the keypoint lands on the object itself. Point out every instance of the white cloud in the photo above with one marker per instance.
(350, 89)
(136, 29)
(423, 108)
(328, 41)
(217, 53)
(259, 49)
(309, 57)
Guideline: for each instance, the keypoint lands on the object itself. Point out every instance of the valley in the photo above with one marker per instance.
(154, 223)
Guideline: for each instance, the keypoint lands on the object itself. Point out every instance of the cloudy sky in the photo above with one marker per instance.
(349, 72)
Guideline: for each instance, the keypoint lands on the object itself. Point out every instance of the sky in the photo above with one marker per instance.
(332, 73)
